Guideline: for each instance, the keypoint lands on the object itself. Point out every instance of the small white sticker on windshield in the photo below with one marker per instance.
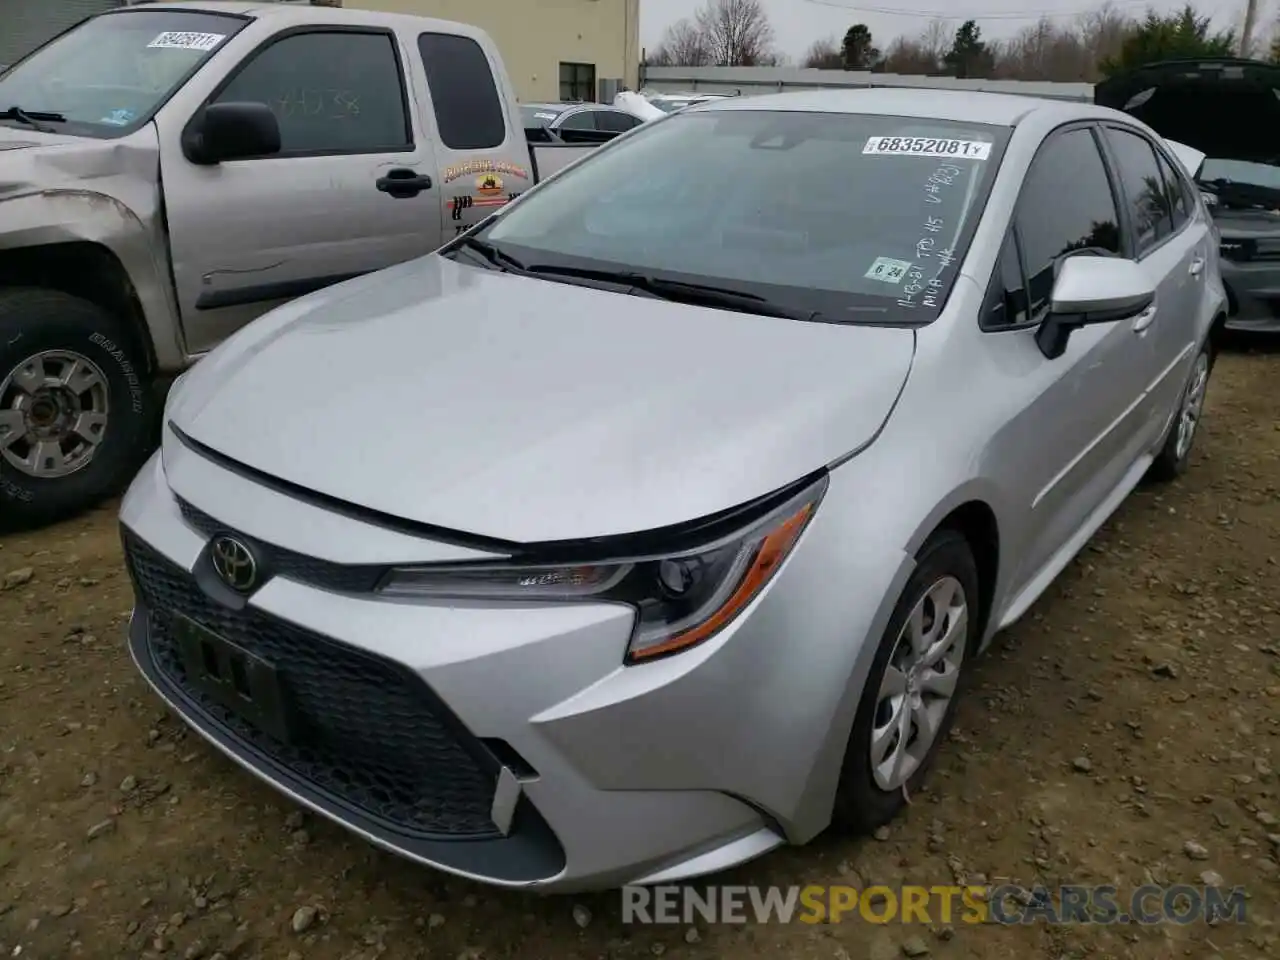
(545, 116)
(204, 42)
(888, 270)
(928, 147)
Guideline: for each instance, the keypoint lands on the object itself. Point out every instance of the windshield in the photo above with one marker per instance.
(1242, 172)
(1241, 184)
(112, 72)
(857, 218)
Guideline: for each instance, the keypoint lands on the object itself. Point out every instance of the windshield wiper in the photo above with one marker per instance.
(680, 291)
(1235, 191)
(498, 258)
(33, 118)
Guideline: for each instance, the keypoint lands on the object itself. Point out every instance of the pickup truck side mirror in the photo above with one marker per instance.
(231, 131)
(1093, 289)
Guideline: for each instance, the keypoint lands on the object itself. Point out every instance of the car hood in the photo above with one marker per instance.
(1247, 223)
(34, 162)
(1224, 107)
(534, 411)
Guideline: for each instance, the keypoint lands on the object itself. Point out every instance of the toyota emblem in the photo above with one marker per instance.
(234, 563)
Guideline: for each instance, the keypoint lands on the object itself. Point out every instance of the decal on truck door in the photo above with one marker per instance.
(484, 166)
(489, 191)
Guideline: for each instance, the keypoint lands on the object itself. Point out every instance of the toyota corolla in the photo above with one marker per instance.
(654, 522)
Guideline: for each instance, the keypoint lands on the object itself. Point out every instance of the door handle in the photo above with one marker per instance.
(1197, 267)
(1144, 319)
(403, 183)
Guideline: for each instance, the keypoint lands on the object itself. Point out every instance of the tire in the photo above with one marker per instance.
(864, 801)
(1175, 454)
(46, 334)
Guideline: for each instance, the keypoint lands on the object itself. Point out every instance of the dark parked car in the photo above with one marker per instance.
(1229, 110)
(578, 122)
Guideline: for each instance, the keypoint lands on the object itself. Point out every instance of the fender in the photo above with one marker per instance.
(67, 215)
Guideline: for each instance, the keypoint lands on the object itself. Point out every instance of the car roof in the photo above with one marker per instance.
(299, 14)
(966, 106)
(562, 107)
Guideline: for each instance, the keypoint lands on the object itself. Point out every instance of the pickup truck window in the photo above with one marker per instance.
(467, 106)
(332, 91)
(108, 76)
(863, 219)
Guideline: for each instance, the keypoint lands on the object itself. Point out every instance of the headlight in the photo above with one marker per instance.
(681, 598)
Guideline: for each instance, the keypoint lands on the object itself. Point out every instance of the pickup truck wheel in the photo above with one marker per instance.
(75, 409)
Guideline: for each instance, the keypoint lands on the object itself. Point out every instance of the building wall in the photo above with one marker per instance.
(25, 24)
(536, 36)
(750, 81)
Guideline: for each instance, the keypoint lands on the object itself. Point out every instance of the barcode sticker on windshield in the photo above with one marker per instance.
(888, 270)
(928, 147)
(204, 42)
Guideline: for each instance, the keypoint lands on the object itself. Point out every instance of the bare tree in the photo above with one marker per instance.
(737, 32)
(907, 56)
(824, 55)
(937, 39)
(1044, 51)
(1103, 33)
(683, 44)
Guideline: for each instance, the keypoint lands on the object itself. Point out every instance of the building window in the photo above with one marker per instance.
(578, 82)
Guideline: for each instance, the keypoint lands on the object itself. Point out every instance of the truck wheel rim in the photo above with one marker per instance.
(53, 414)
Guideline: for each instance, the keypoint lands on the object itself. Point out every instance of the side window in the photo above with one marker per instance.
(1054, 221)
(1174, 191)
(586, 120)
(1007, 300)
(1143, 187)
(467, 106)
(331, 92)
(615, 121)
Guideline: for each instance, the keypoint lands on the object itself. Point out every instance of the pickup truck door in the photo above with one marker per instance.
(247, 235)
(481, 153)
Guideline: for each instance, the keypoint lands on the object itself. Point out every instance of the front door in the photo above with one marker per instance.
(1080, 414)
(247, 235)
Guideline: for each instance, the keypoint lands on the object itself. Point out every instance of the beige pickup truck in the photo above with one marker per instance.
(169, 172)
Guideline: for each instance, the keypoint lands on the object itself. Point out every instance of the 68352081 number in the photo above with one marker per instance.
(928, 147)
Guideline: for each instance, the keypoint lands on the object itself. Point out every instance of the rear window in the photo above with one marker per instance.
(859, 218)
(533, 116)
(467, 106)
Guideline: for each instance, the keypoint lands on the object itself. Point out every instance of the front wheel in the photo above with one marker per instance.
(75, 406)
(1175, 455)
(912, 690)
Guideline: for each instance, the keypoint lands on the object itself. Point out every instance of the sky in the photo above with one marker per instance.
(797, 23)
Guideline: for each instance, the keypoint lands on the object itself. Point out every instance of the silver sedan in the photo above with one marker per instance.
(654, 523)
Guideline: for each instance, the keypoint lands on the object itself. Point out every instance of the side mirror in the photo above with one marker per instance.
(232, 131)
(1093, 289)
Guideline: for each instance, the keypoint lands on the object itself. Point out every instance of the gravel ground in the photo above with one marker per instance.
(1124, 732)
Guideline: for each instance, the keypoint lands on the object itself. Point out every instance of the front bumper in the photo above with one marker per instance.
(505, 745)
(1253, 289)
